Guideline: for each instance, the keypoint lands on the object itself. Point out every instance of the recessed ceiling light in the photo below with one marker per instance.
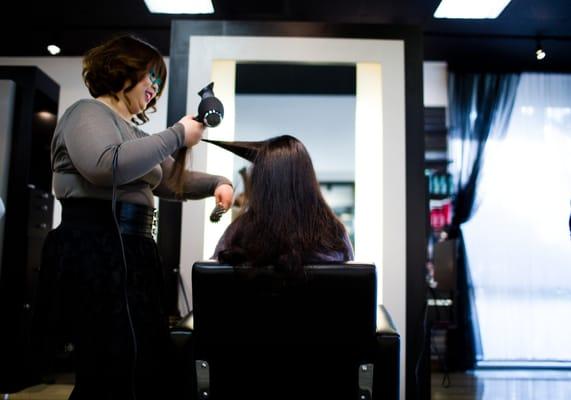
(539, 51)
(53, 49)
(180, 6)
(470, 9)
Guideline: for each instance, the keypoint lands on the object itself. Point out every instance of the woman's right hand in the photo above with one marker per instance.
(193, 130)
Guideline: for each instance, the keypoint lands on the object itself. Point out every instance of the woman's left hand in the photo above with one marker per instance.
(224, 195)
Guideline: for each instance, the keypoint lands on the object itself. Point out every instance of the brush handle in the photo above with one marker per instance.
(217, 213)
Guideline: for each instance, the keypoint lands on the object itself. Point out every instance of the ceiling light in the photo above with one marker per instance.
(540, 53)
(53, 49)
(470, 9)
(180, 6)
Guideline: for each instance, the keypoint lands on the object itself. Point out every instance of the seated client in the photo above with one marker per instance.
(286, 222)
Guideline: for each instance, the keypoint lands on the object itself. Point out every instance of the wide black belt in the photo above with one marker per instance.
(133, 219)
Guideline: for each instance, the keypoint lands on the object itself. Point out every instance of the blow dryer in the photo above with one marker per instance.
(211, 113)
(210, 109)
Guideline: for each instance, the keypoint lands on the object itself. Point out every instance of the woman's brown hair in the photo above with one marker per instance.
(287, 221)
(119, 61)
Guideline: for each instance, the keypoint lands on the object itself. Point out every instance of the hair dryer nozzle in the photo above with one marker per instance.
(207, 91)
(210, 109)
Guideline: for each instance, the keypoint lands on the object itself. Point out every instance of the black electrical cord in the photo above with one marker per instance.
(125, 270)
(181, 284)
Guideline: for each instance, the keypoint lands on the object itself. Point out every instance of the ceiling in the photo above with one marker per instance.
(506, 43)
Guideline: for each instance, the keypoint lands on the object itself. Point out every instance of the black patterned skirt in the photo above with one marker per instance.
(112, 313)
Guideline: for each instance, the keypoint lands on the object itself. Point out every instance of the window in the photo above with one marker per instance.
(518, 241)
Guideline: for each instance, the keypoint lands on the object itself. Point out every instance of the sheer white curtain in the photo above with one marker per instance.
(518, 242)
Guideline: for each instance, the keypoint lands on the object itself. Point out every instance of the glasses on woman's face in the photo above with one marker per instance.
(155, 79)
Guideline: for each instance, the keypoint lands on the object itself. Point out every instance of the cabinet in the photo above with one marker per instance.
(29, 117)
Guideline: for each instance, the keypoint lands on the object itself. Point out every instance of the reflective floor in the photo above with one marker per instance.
(504, 385)
(479, 385)
(41, 392)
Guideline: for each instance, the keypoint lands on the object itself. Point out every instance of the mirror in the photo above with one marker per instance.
(380, 206)
(313, 102)
(380, 156)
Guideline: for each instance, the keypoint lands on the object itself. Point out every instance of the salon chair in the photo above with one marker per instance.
(255, 335)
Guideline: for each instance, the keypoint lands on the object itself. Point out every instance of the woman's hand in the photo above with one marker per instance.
(193, 130)
(223, 195)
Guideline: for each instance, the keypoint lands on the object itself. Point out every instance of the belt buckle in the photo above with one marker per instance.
(155, 224)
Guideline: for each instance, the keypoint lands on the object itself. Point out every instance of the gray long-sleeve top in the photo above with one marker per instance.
(82, 158)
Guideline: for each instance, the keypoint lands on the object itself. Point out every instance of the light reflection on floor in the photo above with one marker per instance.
(502, 384)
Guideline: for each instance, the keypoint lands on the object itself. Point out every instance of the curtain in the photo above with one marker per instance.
(517, 244)
(480, 106)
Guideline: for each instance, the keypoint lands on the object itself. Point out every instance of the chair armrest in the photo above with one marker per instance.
(185, 324)
(385, 324)
(183, 360)
(386, 370)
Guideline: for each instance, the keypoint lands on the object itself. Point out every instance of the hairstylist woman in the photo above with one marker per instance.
(109, 287)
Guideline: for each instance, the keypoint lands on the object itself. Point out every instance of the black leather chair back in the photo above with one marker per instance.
(266, 336)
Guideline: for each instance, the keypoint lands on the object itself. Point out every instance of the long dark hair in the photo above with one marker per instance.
(107, 67)
(287, 220)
